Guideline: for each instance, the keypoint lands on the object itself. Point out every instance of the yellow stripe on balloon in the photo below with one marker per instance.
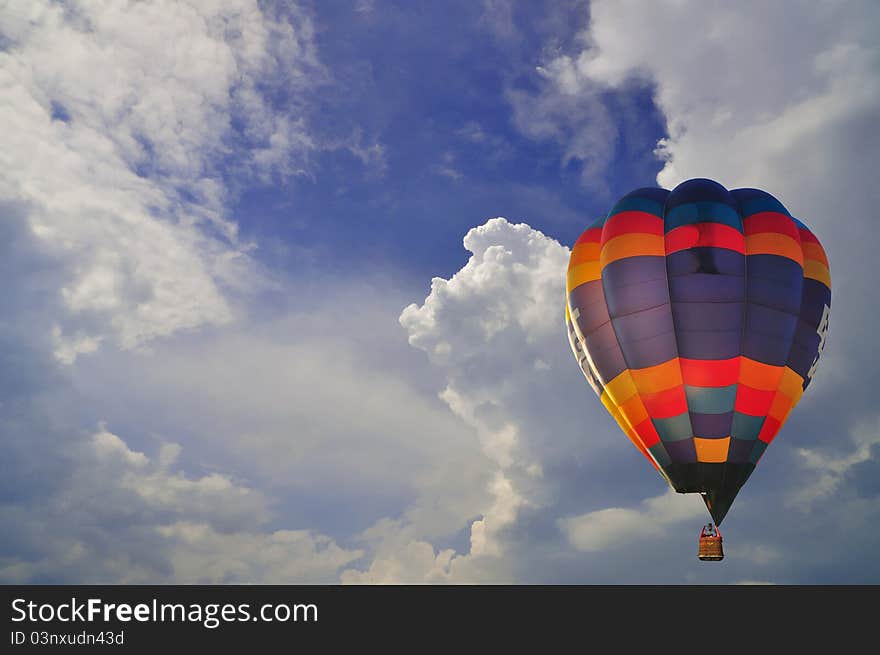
(581, 274)
(621, 388)
(628, 430)
(817, 271)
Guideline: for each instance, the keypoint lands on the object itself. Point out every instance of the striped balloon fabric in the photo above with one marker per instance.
(698, 316)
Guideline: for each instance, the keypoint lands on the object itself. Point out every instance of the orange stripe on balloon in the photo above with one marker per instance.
(627, 429)
(657, 378)
(710, 372)
(712, 450)
(631, 245)
(769, 243)
(634, 410)
(758, 375)
(792, 385)
(814, 251)
(705, 235)
(584, 252)
(780, 407)
(630, 222)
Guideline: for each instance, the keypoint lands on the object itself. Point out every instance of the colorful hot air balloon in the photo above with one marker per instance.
(698, 316)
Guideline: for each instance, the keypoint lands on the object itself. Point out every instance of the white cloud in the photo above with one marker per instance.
(122, 517)
(201, 555)
(118, 133)
(831, 467)
(486, 327)
(398, 558)
(609, 528)
(495, 330)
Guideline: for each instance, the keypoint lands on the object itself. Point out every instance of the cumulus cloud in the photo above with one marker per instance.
(606, 528)
(398, 556)
(121, 123)
(123, 517)
(495, 331)
(488, 328)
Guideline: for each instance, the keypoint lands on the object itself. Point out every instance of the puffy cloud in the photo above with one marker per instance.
(123, 517)
(199, 554)
(400, 558)
(122, 123)
(607, 528)
(495, 330)
(488, 329)
(833, 468)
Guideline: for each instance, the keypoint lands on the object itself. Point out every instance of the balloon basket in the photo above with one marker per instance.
(711, 549)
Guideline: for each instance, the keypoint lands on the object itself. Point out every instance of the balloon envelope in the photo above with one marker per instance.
(698, 316)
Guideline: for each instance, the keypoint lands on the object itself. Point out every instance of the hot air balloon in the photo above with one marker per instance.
(698, 316)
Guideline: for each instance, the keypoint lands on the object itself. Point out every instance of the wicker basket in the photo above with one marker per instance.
(711, 549)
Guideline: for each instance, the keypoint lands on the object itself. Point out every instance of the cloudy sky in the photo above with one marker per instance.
(283, 285)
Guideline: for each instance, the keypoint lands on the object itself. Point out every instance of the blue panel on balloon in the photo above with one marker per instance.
(706, 287)
(715, 261)
(704, 344)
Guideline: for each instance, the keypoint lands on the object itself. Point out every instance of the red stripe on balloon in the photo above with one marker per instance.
(631, 221)
(771, 222)
(666, 403)
(593, 235)
(806, 235)
(647, 433)
(754, 402)
(705, 235)
(769, 429)
(709, 372)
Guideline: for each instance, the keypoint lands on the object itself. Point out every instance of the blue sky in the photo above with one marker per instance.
(427, 85)
(283, 286)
